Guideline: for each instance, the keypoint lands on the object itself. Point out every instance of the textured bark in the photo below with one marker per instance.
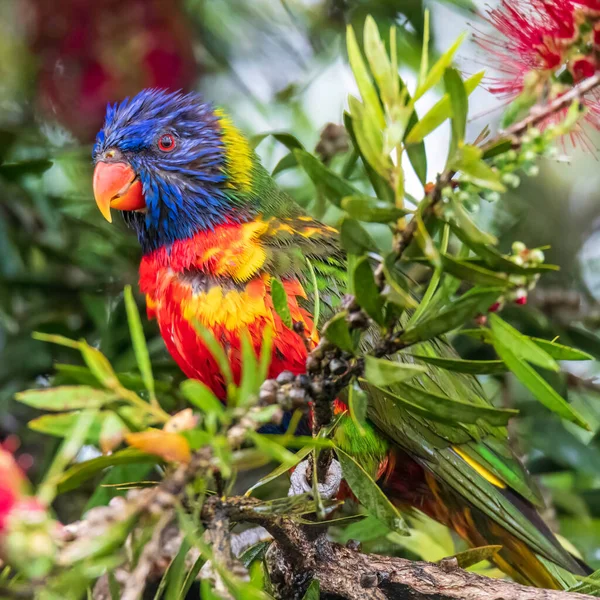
(346, 574)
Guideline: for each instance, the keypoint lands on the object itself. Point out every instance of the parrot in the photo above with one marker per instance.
(215, 229)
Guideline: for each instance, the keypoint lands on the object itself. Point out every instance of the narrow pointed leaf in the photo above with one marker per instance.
(369, 493)
(362, 77)
(460, 107)
(538, 386)
(139, 341)
(449, 409)
(63, 398)
(382, 372)
(474, 367)
(201, 396)
(334, 187)
(521, 345)
(440, 111)
(437, 71)
(371, 210)
(280, 302)
(338, 332)
(455, 315)
(366, 291)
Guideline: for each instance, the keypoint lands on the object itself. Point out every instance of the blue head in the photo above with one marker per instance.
(163, 158)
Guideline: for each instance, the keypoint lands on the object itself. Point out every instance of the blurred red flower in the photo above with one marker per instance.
(11, 485)
(92, 53)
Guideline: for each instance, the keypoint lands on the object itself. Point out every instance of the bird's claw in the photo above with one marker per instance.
(299, 482)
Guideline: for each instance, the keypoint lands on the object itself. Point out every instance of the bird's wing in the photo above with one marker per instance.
(474, 460)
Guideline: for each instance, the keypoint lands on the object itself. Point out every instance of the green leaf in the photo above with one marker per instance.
(287, 139)
(362, 77)
(280, 302)
(398, 291)
(316, 312)
(369, 493)
(273, 449)
(460, 107)
(313, 592)
(424, 67)
(216, 351)
(468, 271)
(176, 572)
(538, 386)
(467, 160)
(437, 71)
(469, 229)
(520, 345)
(287, 162)
(370, 139)
(385, 76)
(473, 367)
(589, 585)
(18, 170)
(115, 482)
(249, 383)
(201, 396)
(371, 210)
(99, 365)
(334, 187)
(357, 406)
(68, 450)
(491, 256)
(354, 237)
(446, 408)
(60, 424)
(426, 243)
(366, 291)
(139, 342)
(417, 153)
(380, 184)
(440, 111)
(554, 349)
(383, 372)
(459, 312)
(65, 398)
(73, 477)
(338, 332)
(472, 556)
(559, 351)
(280, 470)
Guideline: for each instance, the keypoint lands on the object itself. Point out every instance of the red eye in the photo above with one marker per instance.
(166, 143)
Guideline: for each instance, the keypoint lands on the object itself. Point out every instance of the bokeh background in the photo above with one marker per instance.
(275, 65)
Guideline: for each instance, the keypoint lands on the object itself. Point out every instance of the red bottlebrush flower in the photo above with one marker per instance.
(11, 484)
(540, 41)
(534, 33)
(93, 53)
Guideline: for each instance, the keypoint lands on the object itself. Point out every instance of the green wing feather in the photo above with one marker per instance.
(461, 456)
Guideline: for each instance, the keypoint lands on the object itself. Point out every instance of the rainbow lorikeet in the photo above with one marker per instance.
(214, 228)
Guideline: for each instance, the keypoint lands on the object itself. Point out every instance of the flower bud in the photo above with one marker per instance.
(518, 247)
(582, 67)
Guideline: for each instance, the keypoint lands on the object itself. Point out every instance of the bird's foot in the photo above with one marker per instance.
(299, 483)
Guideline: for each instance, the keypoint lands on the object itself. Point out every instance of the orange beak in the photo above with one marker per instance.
(116, 186)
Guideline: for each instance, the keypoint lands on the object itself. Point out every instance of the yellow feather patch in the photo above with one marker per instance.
(244, 257)
(238, 154)
(233, 310)
(480, 469)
